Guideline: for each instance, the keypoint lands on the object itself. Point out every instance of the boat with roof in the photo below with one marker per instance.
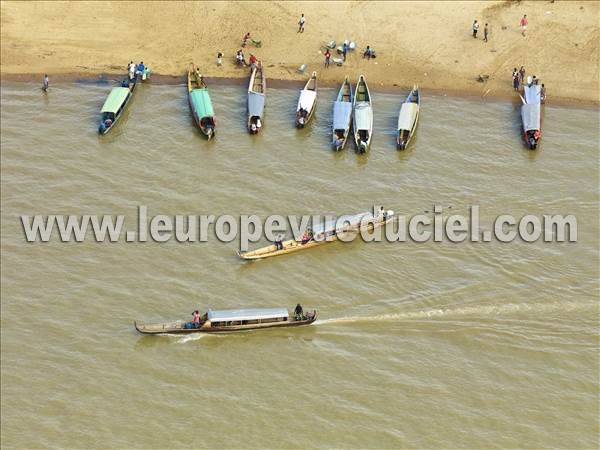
(231, 320)
(115, 104)
(200, 103)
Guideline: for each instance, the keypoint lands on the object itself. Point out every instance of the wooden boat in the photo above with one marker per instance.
(307, 102)
(323, 233)
(256, 99)
(408, 118)
(200, 103)
(363, 116)
(227, 321)
(115, 104)
(342, 115)
(531, 115)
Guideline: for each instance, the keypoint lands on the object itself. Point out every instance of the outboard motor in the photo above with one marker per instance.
(101, 127)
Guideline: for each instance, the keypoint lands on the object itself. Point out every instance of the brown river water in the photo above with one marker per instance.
(452, 345)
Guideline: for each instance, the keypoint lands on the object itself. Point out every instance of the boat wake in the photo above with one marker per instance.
(478, 310)
(191, 337)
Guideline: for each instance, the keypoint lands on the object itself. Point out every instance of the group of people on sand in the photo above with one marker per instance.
(518, 78)
(241, 60)
(135, 69)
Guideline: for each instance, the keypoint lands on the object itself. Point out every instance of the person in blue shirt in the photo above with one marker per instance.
(140, 69)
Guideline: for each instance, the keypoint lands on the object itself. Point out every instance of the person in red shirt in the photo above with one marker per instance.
(327, 58)
(253, 59)
(524, 23)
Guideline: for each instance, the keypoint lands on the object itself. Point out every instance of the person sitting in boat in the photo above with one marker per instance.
(279, 241)
(258, 124)
(253, 128)
(298, 312)
(306, 237)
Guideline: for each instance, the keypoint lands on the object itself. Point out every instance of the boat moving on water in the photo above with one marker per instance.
(342, 115)
(363, 116)
(200, 103)
(115, 104)
(256, 99)
(307, 102)
(227, 321)
(408, 118)
(323, 233)
(531, 115)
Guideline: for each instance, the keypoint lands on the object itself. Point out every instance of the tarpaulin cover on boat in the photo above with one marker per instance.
(115, 99)
(363, 116)
(408, 115)
(342, 111)
(530, 114)
(256, 103)
(532, 93)
(201, 103)
(306, 100)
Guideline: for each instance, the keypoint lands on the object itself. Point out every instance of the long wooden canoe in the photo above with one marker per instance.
(115, 104)
(408, 118)
(342, 115)
(363, 116)
(200, 103)
(257, 89)
(307, 102)
(227, 321)
(324, 233)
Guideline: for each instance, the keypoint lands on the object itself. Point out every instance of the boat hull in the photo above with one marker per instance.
(229, 329)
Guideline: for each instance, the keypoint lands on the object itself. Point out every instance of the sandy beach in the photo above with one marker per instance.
(427, 43)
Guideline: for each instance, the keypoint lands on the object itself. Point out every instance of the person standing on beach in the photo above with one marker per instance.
(485, 33)
(515, 80)
(524, 23)
(45, 83)
(475, 28)
(543, 94)
(522, 74)
(327, 58)
(344, 50)
(301, 24)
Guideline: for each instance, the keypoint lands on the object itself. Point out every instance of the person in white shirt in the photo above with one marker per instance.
(258, 124)
(301, 24)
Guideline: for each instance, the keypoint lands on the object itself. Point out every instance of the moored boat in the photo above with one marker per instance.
(323, 233)
(257, 89)
(362, 116)
(227, 321)
(200, 103)
(342, 115)
(408, 118)
(531, 115)
(307, 102)
(115, 105)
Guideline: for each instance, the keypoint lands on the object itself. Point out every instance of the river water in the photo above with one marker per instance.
(469, 345)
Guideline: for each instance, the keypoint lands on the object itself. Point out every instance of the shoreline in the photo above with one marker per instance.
(171, 79)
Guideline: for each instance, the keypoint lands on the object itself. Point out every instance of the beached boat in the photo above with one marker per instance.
(342, 115)
(115, 104)
(408, 118)
(307, 102)
(200, 104)
(227, 321)
(256, 99)
(531, 115)
(323, 233)
(363, 116)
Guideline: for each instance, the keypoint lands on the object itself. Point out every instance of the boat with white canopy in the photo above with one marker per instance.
(342, 115)
(323, 233)
(307, 102)
(408, 118)
(257, 89)
(531, 115)
(363, 116)
(227, 321)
